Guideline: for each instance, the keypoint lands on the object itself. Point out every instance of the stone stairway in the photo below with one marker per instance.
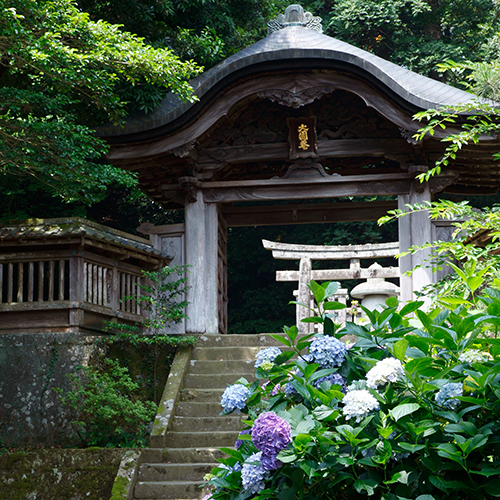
(197, 429)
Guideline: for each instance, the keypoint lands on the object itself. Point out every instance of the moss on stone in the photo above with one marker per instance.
(119, 491)
(65, 474)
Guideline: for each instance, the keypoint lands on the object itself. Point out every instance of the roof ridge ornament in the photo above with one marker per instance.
(295, 16)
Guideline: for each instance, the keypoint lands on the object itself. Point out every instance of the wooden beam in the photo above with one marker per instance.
(341, 274)
(331, 186)
(339, 148)
(306, 213)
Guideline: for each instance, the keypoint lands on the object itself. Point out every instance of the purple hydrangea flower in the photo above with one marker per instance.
(327, 351)
(239, 442)
(269, 354)
(253, 474)
(270, 462)
(271, 433)
(235, 397)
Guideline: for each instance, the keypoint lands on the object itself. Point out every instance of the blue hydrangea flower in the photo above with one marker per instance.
(449, 391)
(332, 379)
(269, 354)
(235, 397)
(235, 467)
(253, 474)
(328, 352)
(290, 390)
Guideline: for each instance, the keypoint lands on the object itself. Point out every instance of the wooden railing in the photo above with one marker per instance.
(92, 282)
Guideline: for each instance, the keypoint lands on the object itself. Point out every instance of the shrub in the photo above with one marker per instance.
(409, 411)
(107, 407)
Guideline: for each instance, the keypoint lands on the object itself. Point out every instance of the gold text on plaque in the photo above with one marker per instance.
(303, 137)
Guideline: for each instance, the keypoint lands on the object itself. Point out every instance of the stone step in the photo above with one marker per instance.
(198, 366)
(192, 455)
(254, 340)
(169, 490)
(206, 424)
(214, 381)
(225, 353)
(174, 472)
(192, 439)
(202, 395)
(191, 409)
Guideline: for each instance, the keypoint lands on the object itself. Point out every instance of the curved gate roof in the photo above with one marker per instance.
(297, 45)
(176, 139)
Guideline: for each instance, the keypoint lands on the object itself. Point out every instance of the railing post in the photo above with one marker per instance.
(76, 287)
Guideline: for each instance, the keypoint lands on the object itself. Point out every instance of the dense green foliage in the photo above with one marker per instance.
(203, 30)
(60, 75)
(409, 411)
(419, 34)
(107, 409)
(479, 263)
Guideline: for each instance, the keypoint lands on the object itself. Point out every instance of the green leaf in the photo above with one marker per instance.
(312, 319)
(492, 487)
(333, 306)
(403, 410)
(399, 349)
(317, 290)
(411, 447)
(368, 485)
(474, 282)
(331, 289)
(323, 412)
(287, 456)
(281, 339)
(392, 302)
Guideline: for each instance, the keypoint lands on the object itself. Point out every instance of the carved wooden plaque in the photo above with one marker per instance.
(302, 137)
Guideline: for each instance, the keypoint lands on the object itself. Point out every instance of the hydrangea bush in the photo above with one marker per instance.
(411, 410)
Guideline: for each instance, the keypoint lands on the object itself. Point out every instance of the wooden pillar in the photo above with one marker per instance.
(304, 296)
(414, 230)
(201, 256)
(211, 267)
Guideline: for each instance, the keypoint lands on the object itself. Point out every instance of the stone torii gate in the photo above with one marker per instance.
(296, 117)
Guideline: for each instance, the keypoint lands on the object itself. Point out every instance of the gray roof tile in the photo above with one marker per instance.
(298, 43)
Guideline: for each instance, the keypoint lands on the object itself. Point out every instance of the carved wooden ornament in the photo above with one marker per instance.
(302, 137)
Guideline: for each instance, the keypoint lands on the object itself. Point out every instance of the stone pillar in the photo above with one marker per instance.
(414, 230)
(201, 256)
(304, 296)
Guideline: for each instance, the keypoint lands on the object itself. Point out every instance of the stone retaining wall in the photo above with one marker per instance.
(59, 474)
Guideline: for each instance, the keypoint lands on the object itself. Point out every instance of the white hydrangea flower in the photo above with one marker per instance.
(359, 404)
(474, 356)
(386, 370)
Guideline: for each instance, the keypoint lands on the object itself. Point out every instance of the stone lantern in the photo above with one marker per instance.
(374, 291)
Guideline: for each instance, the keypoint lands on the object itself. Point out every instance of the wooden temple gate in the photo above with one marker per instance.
(295, 118)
